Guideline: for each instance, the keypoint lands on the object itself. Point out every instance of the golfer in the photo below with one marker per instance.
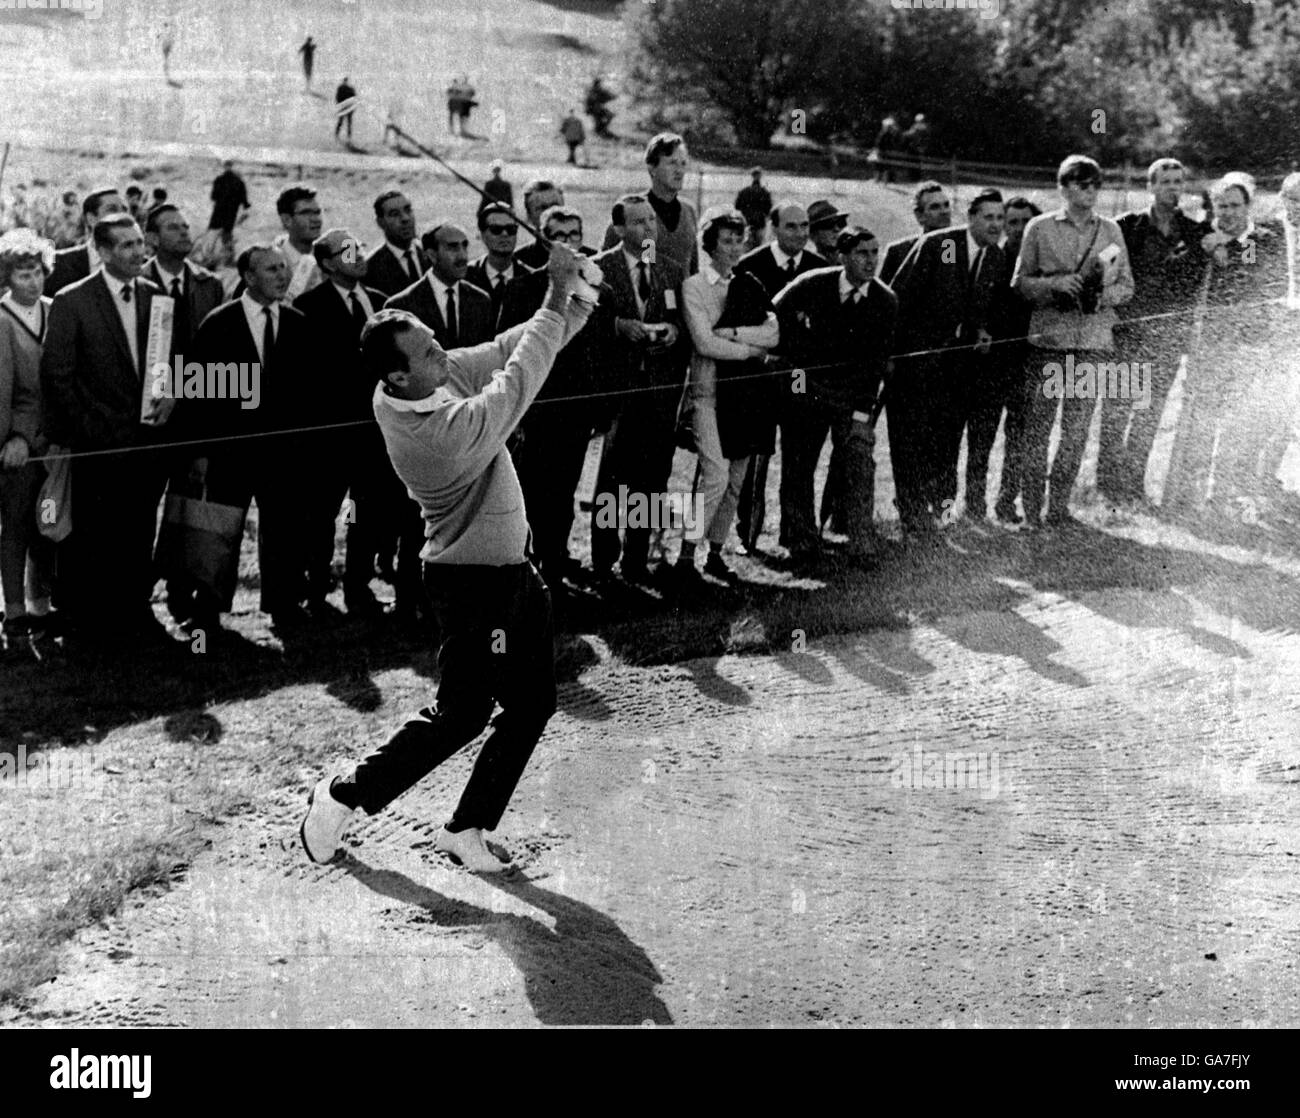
(445, 418)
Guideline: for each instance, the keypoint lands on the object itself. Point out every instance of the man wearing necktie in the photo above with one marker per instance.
(493, 271)
(775, 265)
(639, 328)
(195, 293)
(947, 287)
(347, 453)
(397, 263)
(837, 329)
(260, 453)
(94, 385)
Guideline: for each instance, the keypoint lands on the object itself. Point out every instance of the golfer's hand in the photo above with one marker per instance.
(562, 266)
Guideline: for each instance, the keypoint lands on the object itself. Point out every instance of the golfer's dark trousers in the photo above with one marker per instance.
(496, 649)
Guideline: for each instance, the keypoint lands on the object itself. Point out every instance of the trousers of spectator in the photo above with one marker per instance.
(917, 410)
(805, 423)
(109, 567)
(1128, 427)
(716, 490)
(638, 454)
(496, 650)
(751, 507)
(1223, 450)
(378, 500)
(995, 385)
(26, 557)
(550, 460)
(1053, 485)
(327, 468)
(263, 470)
(1019, 401)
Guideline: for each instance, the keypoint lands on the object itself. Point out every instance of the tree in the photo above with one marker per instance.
(760, 63)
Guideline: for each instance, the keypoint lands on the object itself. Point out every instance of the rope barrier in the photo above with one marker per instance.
(785, 371)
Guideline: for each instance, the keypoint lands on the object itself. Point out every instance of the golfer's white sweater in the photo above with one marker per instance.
(449, 448)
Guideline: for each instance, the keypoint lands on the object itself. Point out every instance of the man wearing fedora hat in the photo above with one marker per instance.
(825, 223)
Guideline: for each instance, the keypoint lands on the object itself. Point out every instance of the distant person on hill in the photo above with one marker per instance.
(754, 202)
(916, 140)
(889, 142)
(345, 97)
(575, 135)
(135, 203)
(598, 97)
(496, 188)
(167, 40)
(308, 52)
(229, 202)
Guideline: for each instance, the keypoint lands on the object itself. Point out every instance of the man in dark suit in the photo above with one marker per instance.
(539, 196)
(644, 349)
(76, 263)
(778, 263)
(95, 389)
(949, 291)
(399, 261)
(341, 458)
(491, 272)
(196, 291)
(557, 428)
(933, 210)
(459, 314)
(837, 329)
(251, 455)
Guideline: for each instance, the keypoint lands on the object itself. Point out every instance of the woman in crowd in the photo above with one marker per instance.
(712, 299)
(26, 557)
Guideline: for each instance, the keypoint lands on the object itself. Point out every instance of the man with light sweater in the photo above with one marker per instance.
(445, 418)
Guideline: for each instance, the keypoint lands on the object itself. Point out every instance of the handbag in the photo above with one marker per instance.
(54, 502)
(200, 539)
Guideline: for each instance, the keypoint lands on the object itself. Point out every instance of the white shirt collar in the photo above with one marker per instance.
(1249, 231)
(167, 276)
(440, 289)
(115, 285)
(711, 274)
(972, 249)
(359, 292)
(783, 259)
(400, 253)
(399, 403)
(492, 271)
(847, 289)
(291, 254)
(632, 260)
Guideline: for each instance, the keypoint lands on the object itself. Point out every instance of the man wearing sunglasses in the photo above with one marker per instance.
(493, 271)
(1073, 266)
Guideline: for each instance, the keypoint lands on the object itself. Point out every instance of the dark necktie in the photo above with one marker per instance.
(975, 269)
(450, 318)
(411, 272)
(790, 270)
(358, 313)
(643, 283)
(126, 293)
(268, 339)
(181, 314)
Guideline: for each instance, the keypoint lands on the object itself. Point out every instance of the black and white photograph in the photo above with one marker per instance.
(715, 514)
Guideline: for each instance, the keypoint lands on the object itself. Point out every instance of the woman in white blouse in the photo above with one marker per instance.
(705, 296)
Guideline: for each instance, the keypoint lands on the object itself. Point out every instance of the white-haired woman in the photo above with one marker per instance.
(26, 557)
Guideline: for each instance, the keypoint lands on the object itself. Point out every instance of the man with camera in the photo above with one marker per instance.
(1074, 268)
